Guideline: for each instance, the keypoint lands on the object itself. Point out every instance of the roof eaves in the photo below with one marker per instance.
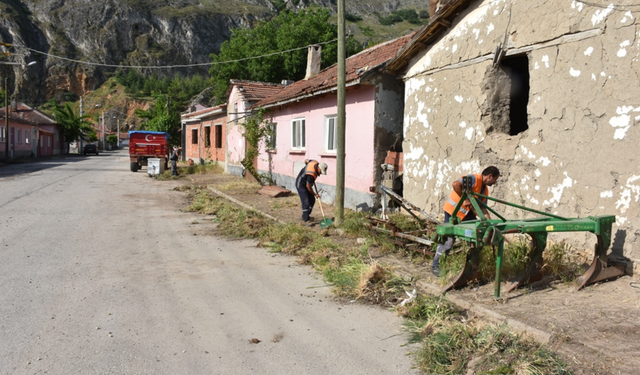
(310, 95)
(427, 34)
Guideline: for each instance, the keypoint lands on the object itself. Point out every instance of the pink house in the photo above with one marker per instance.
(242, 96)
(303, 115)
(204, 132)
(31, 133)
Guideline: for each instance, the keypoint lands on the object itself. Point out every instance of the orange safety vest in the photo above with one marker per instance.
(311, 169)
(454, 198)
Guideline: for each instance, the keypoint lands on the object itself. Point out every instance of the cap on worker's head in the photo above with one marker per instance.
(323, 168)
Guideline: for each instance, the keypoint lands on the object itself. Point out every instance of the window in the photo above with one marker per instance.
(218, 135)
(271, 136)
(26, 136)
(19, 136)
(298, 134)
(194, 136)
(207, 136)
(3, 134)
(330, 133)
(48, 141)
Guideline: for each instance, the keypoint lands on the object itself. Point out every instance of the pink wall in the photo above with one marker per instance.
(359, 160)
(235, 132)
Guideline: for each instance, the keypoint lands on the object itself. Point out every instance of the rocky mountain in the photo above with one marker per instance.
(78, 43)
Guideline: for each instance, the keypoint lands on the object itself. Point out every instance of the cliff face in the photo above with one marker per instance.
(78, 43)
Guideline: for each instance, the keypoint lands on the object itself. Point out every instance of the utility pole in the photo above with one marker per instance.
(6, 118)
(104, 145)
(340, 139)
(118, 121)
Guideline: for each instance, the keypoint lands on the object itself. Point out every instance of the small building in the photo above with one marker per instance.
(548, 92)
(204, 131)
(242, 96)
(303, 116)
(31, 133)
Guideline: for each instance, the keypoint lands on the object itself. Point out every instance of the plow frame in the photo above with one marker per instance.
(483, 231)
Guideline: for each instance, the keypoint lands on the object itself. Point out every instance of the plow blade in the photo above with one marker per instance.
(469, 273)
(601, 268)
(533, 270)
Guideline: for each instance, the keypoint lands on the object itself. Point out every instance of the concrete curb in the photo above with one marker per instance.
(242, 204)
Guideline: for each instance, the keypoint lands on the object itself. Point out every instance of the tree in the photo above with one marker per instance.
(162, 116)
(287, 31)
(112, 140)
(74, 127)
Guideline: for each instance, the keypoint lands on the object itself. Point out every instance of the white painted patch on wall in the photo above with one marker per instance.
(545, 60)
(421, 116)
(620, 220)
(628, 15)
(414, 154)
(631, 192)
(544, 160)
(490, 28)
(537, 187)
(533, 200)
(459, 98)
(534, 141)
(600, 14)
(469, 167)
(577, 5)
(606, 194)
(536, 66)
(476, 32)
(593, 77)
(574, 72)
(622, 52)
(454, 48)
(588, 51)
(557, 190)
(463, 124)
(621, 123)
(469, 133)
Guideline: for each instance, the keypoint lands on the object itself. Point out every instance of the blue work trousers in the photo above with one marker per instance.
(308, 200)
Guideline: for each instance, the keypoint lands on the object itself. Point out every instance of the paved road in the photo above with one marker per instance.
(100, 273)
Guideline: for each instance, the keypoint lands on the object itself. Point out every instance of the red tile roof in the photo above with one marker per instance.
(254, 91)
(356, 67)
(28, 114)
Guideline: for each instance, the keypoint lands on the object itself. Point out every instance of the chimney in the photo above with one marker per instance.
(313, 61)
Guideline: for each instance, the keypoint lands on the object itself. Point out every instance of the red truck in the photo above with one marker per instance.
(147, 144)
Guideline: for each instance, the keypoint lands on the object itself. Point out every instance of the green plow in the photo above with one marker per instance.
(482, 232)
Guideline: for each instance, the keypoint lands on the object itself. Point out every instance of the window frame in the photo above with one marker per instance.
(271, 141)
(207, 136)
(194, 136)
(300, 143)
(218, 135)
(325, 140)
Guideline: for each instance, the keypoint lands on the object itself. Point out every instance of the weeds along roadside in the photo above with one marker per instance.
(447, 340)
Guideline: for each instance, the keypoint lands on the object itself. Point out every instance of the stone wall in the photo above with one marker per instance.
(571, 148)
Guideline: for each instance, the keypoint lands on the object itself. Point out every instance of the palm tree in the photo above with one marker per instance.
(74, 127)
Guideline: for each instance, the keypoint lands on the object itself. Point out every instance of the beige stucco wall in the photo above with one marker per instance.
(579, 156)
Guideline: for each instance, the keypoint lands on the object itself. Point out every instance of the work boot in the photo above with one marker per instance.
(435, 267)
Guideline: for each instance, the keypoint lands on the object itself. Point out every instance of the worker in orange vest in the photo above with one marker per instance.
(304, 184)
(480, 184)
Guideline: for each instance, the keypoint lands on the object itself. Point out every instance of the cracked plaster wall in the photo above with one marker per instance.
(579, 156)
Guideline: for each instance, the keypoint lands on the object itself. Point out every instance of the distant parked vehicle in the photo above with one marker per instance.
(90, 149)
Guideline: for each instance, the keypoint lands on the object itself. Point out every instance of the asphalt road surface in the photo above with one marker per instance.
(101, 273)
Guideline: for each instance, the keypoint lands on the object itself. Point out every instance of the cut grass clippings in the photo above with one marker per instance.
(446, 340)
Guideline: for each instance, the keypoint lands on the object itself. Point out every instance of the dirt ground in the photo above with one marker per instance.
(597, 329)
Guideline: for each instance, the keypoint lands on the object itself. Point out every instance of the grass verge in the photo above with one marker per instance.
(446, 340)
